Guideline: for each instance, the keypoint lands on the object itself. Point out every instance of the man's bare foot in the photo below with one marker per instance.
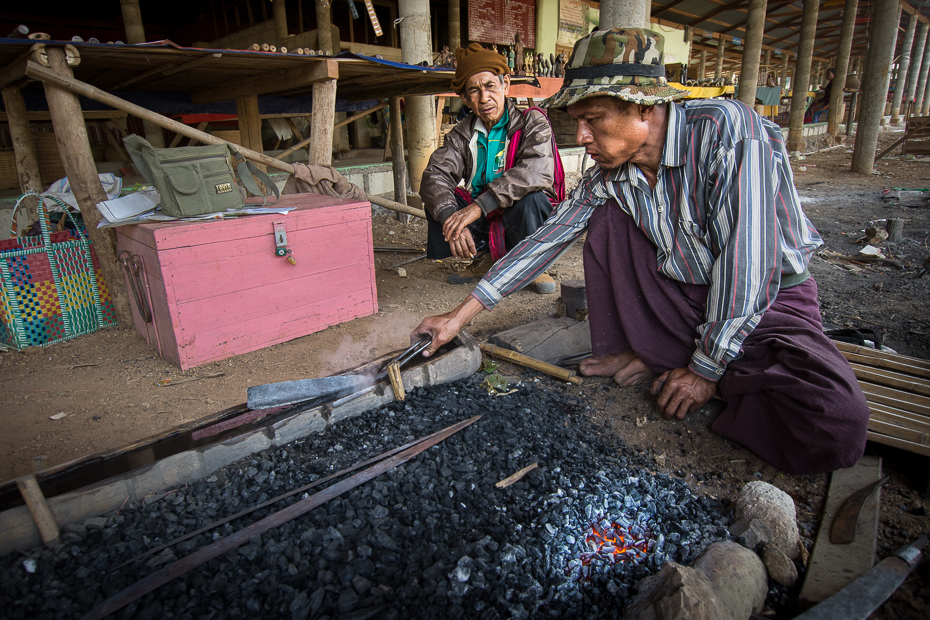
(626, 368)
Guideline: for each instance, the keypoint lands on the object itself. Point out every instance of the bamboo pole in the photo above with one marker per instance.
(524, 360)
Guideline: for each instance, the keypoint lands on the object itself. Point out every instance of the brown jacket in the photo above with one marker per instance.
(454, 161)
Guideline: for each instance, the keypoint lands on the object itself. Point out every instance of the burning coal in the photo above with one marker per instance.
(611, 542)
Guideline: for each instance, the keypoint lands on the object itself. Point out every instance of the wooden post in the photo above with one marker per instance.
(250, 124)
(132, 19)
(279, 10)
(44, 519)
(71, 136)
(321, 123)
(398, 161)
(24, 152)
(895, 229)
(721, 50)
(324, 34)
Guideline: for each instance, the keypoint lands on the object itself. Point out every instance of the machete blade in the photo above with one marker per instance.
(290, 392)
(843, 529)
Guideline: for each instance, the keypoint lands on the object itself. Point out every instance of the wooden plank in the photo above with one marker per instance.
(898, 432)
(832, 567)
(906, 368)
(546, 338)
(895, 398)
(896, 442)
(882, 356)
(900, 417)
(34, 499)
(906, 383)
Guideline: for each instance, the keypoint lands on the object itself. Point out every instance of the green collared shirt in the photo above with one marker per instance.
(489, 164)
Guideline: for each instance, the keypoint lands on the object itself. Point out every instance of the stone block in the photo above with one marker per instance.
(380, 183)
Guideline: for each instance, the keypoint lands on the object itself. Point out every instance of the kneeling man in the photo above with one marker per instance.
(695, 261)
(502, 202)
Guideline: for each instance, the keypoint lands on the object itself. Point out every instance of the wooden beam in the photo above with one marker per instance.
(311, 74)
(89, 115)
(16, 70)
(44, 519)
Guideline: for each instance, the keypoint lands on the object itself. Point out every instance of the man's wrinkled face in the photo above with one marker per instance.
(611, 131)
(485, 93)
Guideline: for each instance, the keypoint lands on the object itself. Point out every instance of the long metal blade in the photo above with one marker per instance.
(300, 390)
(237, 539)
(866, 594)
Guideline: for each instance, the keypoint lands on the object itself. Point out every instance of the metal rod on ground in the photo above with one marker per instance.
(387, 248)
(37, 71)
(275, 500)
(407, 262)
(530, 362)
(233, 541)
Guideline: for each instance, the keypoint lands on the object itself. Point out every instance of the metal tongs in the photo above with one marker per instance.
(569, 361)
(326, 388)
(406, 356)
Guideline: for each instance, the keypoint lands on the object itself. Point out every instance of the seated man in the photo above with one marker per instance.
(500, 204)
(817, 111)
(695, 261)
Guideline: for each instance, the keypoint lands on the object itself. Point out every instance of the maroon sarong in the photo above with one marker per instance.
(792, 397)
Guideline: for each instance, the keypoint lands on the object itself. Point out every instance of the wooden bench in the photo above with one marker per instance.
(916, 138)
(917, 135)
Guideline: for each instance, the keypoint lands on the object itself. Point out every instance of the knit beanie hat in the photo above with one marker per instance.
(475, 59)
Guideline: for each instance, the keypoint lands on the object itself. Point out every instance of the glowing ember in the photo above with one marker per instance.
(609, 543)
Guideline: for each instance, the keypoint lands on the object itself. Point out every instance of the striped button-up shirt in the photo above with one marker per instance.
(724, 213)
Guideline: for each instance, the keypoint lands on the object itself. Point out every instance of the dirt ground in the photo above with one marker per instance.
(105, 383)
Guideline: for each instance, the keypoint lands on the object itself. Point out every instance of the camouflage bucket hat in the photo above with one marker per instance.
(626, 63)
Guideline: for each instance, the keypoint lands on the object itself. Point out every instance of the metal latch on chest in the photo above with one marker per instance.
(280, 242)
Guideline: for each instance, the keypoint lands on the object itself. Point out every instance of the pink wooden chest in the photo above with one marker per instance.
(217, 289)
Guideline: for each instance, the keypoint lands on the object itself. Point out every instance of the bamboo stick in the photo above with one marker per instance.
(523, 360)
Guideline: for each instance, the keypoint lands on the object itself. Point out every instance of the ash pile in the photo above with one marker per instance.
(431, 538)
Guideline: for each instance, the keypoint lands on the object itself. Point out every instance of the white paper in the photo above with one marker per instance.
(129, 206)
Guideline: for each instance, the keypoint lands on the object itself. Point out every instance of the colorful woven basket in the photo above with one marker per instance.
(50, 288)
